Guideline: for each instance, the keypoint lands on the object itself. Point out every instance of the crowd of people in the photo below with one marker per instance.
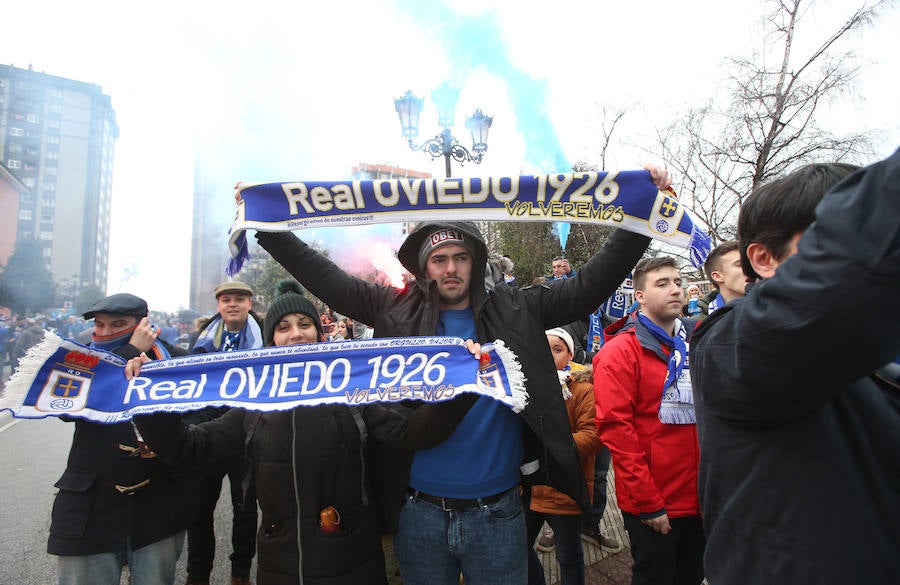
(752, 435)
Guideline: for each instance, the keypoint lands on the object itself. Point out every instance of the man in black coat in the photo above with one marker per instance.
(117, 503)
(461, 511)
(799, 465)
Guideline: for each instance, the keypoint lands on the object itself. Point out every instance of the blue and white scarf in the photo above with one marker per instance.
(677, 405)
(595, 337)
(214, 337)
(626, 199)
(61, 377)
(717, 303)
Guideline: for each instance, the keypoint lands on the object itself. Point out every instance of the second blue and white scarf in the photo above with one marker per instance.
(59, 377)
(677, 405)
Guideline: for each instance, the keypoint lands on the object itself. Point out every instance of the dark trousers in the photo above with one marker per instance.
(566, 537)
(675, 558)
(601, 469)
(201, 535)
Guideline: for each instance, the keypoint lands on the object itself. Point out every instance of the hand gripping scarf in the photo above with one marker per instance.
(625, 199)
(111, 342)
(61, 377)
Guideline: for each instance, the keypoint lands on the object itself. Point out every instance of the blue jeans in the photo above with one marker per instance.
(153, 564)
(569, 552)
(485, 543)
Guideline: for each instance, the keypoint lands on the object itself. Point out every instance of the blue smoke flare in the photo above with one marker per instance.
(562, 230)
(475, 43)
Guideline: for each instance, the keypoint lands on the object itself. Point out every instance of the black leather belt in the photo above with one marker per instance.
(448, 504)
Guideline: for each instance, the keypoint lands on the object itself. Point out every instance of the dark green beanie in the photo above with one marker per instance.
(288, 299)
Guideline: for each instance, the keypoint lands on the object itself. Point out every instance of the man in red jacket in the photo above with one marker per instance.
(645, 416)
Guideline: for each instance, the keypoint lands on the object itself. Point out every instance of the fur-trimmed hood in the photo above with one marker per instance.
(583, 375)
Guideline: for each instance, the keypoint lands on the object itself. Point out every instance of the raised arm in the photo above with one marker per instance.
(827, 317)
(564, 301)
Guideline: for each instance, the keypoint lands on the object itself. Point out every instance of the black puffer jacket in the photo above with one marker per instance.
(303, 461)
(517, 316)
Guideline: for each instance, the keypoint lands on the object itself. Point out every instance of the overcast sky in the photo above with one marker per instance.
(268, 91)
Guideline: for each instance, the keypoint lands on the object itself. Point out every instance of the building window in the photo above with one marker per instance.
(47, 252)
(13, 131)
(52, 155)
(53, 139)
(53, 124)
(50, 171)
(26, 214)
(47, 236)
(14, 163)
(21, 85)
(33, 118)
(28, 182)
(49, 187)
(55, 108)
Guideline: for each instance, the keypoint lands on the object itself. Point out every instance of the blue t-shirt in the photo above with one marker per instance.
(482, 456)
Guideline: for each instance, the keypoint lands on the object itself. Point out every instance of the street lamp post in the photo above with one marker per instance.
(409, 107)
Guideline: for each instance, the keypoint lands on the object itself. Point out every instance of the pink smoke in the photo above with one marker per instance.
(372, 259)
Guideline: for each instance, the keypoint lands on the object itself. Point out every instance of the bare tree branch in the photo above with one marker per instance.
(771, 122)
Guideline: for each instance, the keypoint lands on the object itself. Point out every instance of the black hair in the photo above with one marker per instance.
(714, 260)
(779, 209)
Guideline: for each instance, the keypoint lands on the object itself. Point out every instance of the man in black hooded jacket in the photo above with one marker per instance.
(448, 297)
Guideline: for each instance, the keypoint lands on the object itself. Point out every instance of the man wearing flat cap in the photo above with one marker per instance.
(234, 328)
(457, 508)
(117, 503)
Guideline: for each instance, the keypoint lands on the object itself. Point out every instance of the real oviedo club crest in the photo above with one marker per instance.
(68, 384)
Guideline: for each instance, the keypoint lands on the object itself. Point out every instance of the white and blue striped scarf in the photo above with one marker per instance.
(677, 404)
(214, 337)
(60, 377)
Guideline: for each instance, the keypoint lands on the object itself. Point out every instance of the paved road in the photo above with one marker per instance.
(32, 457)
